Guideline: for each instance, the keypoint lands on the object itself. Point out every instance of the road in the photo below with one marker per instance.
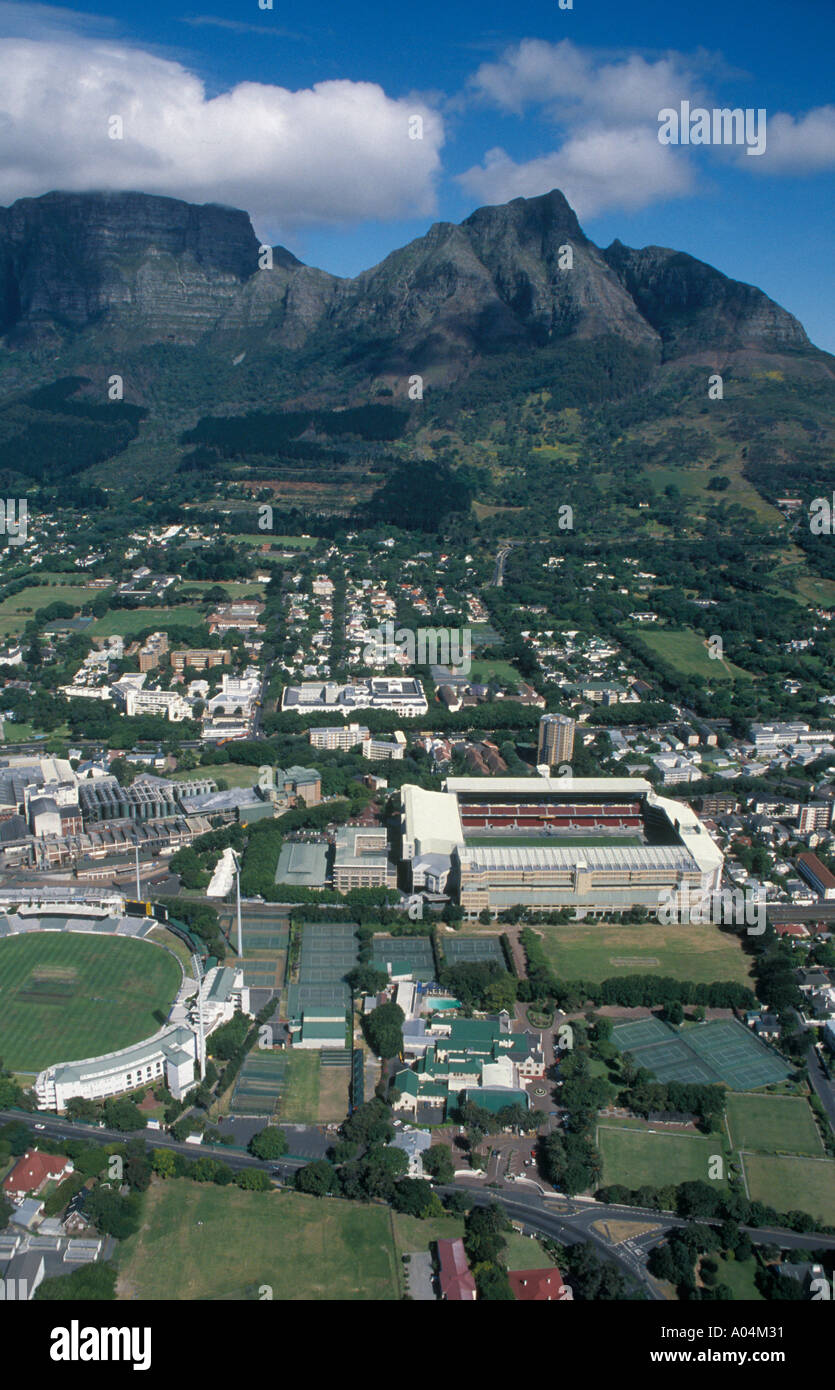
(501, 557)
(563, 1219)
(824, 1088)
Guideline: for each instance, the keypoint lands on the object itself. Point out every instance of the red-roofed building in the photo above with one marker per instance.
(33, 1171)
(538, 1285)
(457, 1282)
(790, 929)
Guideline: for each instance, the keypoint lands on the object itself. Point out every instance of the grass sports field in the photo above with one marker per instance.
(807, 1184)
(123, 622)
(17, 609)
(64, 995)
(638, 1157)
(773, 1124)
(687, 652)
(593, 951)
(199, 1241)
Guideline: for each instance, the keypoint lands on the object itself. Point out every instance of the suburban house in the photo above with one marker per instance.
(414, 1143)
(33, 1171)
(538, 1285)
(455, 1277)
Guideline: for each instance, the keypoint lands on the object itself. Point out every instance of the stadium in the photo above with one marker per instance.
(94, 1002)
(592, 844)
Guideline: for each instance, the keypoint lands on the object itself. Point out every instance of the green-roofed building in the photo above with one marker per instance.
(495, 1099)
(305, 865)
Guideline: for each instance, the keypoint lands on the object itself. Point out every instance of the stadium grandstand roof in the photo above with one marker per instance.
(535, 786)
(602, 856)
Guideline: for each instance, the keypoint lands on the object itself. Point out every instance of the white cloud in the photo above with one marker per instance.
(335, 153)
(594, 169)
(605, 109)
(577, 84)
(799, 145)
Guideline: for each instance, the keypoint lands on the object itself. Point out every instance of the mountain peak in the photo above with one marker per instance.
(541, 218)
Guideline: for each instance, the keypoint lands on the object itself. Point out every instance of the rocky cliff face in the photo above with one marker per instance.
(693, 307)
(158, 269)
(69, 260)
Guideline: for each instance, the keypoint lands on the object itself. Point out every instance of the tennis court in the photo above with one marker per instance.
(467, 950)
(412, 954)
(721, 1053)
(259, 1084)
(328, 951)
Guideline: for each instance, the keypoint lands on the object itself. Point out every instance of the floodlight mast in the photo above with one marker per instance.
(201, 1032)
(238, 904)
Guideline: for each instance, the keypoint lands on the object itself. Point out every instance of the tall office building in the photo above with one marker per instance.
(556, 739)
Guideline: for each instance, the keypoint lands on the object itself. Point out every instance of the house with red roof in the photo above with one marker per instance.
(456, 1280)
(538, 1285)
(33, 1171)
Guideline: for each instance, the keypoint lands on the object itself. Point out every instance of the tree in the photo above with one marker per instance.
(164, 1163)
(370, 1123)
(318, 1178)
(269, 1143)
(492, 1283)
(381, 1168)
(484, 1232)
(437, 1162)
(253, 1180)
(123, 1115)
(92, 1283)
(384, 1029)
(112, 1214)
(229, 1037)
(414, 1197)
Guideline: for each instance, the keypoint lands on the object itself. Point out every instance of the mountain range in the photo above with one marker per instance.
(164, 270)
(177, 300)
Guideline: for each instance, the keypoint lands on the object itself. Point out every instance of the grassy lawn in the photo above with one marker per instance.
(411, 1234)
(300, 1093)
(483, 671)
(17, 609)
(773, 1124)
(64, 996)
(637, 1157)
(693, 482)
(597, 951)
(790, 1184)
(686, 651)
(234, 589)
(199, 1241)
(739, 1278)
(124, 622)
(333, 1094)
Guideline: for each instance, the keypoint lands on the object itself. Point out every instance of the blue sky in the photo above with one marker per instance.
(300, 114)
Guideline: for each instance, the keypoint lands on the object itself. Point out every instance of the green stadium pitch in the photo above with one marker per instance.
(68, 995)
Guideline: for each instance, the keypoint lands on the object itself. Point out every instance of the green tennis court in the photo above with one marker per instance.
(720, 1053)
(467, 950)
